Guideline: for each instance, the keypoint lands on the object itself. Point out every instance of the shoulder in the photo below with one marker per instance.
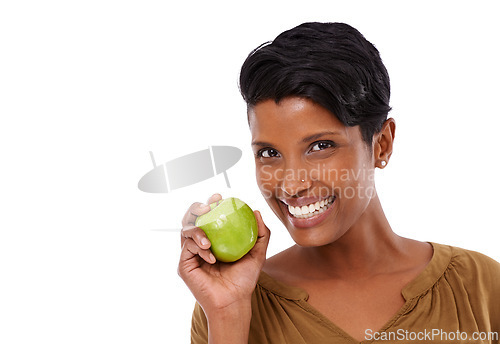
(475, 277)
(474, 262)
(475, 270)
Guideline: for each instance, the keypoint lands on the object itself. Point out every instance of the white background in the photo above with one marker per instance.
(88, 88)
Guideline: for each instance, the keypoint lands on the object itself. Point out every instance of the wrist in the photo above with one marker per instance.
(230, 324)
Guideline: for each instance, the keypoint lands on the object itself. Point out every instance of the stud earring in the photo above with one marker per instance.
(383, 163)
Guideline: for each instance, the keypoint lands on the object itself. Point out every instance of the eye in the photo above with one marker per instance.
(321, 145)
(268, 153)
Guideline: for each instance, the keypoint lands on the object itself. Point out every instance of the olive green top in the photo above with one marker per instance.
(459, 290)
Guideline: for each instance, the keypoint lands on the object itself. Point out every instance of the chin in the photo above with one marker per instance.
(311, 238)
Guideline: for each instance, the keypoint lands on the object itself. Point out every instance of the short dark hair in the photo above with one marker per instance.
(331, 64)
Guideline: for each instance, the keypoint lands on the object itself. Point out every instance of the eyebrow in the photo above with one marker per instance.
(318, 135)
(305, 139)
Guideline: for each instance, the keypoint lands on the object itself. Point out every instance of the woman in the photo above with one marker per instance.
(318, 100)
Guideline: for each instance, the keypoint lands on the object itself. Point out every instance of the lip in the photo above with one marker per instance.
(299, 202)
(311, 221)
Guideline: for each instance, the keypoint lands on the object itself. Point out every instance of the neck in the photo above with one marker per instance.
(369, 247)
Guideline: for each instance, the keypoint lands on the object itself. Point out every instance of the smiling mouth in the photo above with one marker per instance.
(310, 210)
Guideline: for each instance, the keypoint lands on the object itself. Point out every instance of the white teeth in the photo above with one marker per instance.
(312, 209)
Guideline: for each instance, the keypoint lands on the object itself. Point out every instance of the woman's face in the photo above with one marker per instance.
(315, 173)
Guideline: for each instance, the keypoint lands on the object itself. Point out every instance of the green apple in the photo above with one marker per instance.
(231, 227)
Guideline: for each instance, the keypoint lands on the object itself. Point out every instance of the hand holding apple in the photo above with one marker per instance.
(231, 227)
(221, 288)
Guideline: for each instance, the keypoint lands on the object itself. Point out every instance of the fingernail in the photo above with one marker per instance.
(212, 257)
(204, 241)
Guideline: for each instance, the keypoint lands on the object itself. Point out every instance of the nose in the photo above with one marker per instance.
(295, 181)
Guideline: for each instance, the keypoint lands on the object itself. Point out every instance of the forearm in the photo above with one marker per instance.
(231, 325)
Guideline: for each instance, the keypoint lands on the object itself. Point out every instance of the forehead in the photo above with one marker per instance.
(292, 117)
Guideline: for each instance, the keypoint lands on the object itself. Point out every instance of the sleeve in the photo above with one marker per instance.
(491, 292)
(482, 279)
(199, 326)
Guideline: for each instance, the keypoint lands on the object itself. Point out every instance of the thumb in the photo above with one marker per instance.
(263, 236)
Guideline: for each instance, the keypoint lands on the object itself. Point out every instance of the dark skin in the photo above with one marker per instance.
(351, 263)
(347, 258)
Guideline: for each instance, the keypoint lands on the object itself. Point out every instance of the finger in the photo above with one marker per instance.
(214, 198)
(197, 234)
(190, 249)
(196, 209)
(263, 236)
(264, 233)
(190, 260)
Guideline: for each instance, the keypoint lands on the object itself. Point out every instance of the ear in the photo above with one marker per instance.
(383, 143)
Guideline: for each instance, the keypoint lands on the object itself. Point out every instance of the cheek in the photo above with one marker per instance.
(351, 180)
(358, 185)
(266, 178)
